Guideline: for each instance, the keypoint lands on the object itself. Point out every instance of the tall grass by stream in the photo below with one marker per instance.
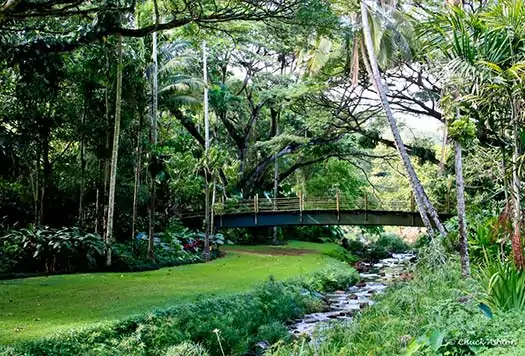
(438, 313)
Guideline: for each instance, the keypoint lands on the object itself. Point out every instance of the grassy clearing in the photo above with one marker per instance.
(293, 247)
(36, 307)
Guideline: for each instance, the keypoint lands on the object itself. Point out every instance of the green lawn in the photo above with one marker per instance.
(291, 245)
(36, 307)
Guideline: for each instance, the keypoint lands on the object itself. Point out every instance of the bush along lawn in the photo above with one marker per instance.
(437, 313)
(235, 323)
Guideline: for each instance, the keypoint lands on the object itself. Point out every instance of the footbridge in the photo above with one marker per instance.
(302, 210)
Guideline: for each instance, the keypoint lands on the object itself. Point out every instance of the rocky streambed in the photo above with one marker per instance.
(342, 305)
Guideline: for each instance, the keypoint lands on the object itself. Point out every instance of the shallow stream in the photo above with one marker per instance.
(343, 304)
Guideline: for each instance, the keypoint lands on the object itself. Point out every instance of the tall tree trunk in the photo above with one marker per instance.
(136, 185)
(207, 208)
(107, 163)
(517, 249)
(46, 173)
(114, 155)
(276, 179)
(422, 201)
(462, 219)
(443, 149)
(82, 169)
(36, 189)
(154, 139)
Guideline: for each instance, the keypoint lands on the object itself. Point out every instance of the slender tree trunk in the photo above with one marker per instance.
(82, 169)
(276, 180)
(421, 200)
(212, 205)
(207, 218)
(462, 218)
(97, 193)
(517, 248)
(36, 189)
(443, 149)
(46, 174)
(154, 138)
(114, 155)
(107, 163)
(136, 185)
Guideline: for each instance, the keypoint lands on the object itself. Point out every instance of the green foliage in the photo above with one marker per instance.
(432, 315)
(392, 243)
(462, 129)
(45, 249)
(262, 314)
(327, 279)
(342, 255)
(133, 258)
(487, 237)
(376, 248)
(186, 348)
(503, 285)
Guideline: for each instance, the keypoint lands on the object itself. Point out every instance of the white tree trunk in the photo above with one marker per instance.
(114, 154)
(517, 248)
(462, 219)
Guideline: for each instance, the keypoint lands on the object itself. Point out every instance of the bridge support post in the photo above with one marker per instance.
(366, 206)
(301, 206)
(412, 208)
(223, 207)
(337, 205)
(255, 207)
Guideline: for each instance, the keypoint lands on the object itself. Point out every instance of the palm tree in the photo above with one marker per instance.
(387, 37)
(484, 53)
(425, 207)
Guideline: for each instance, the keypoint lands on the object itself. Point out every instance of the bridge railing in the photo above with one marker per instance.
(304, 203)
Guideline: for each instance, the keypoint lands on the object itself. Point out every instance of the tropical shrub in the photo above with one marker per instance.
(342, 255)
(49, 250)
(376, 248)
(503, 285)
(392, 243)
(133, 258)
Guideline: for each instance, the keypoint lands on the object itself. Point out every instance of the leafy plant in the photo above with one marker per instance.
(45, 249)
(187, 348)
(503, 285)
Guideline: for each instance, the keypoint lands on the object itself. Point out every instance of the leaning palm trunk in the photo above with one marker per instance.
(462, 220)
(421, 199)
(517, 249)
(114, 156)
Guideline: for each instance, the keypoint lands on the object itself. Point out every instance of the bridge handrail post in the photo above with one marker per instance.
(366, 206)
(301, 206)
(412, 208)
(337, 205)
(255, 207)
